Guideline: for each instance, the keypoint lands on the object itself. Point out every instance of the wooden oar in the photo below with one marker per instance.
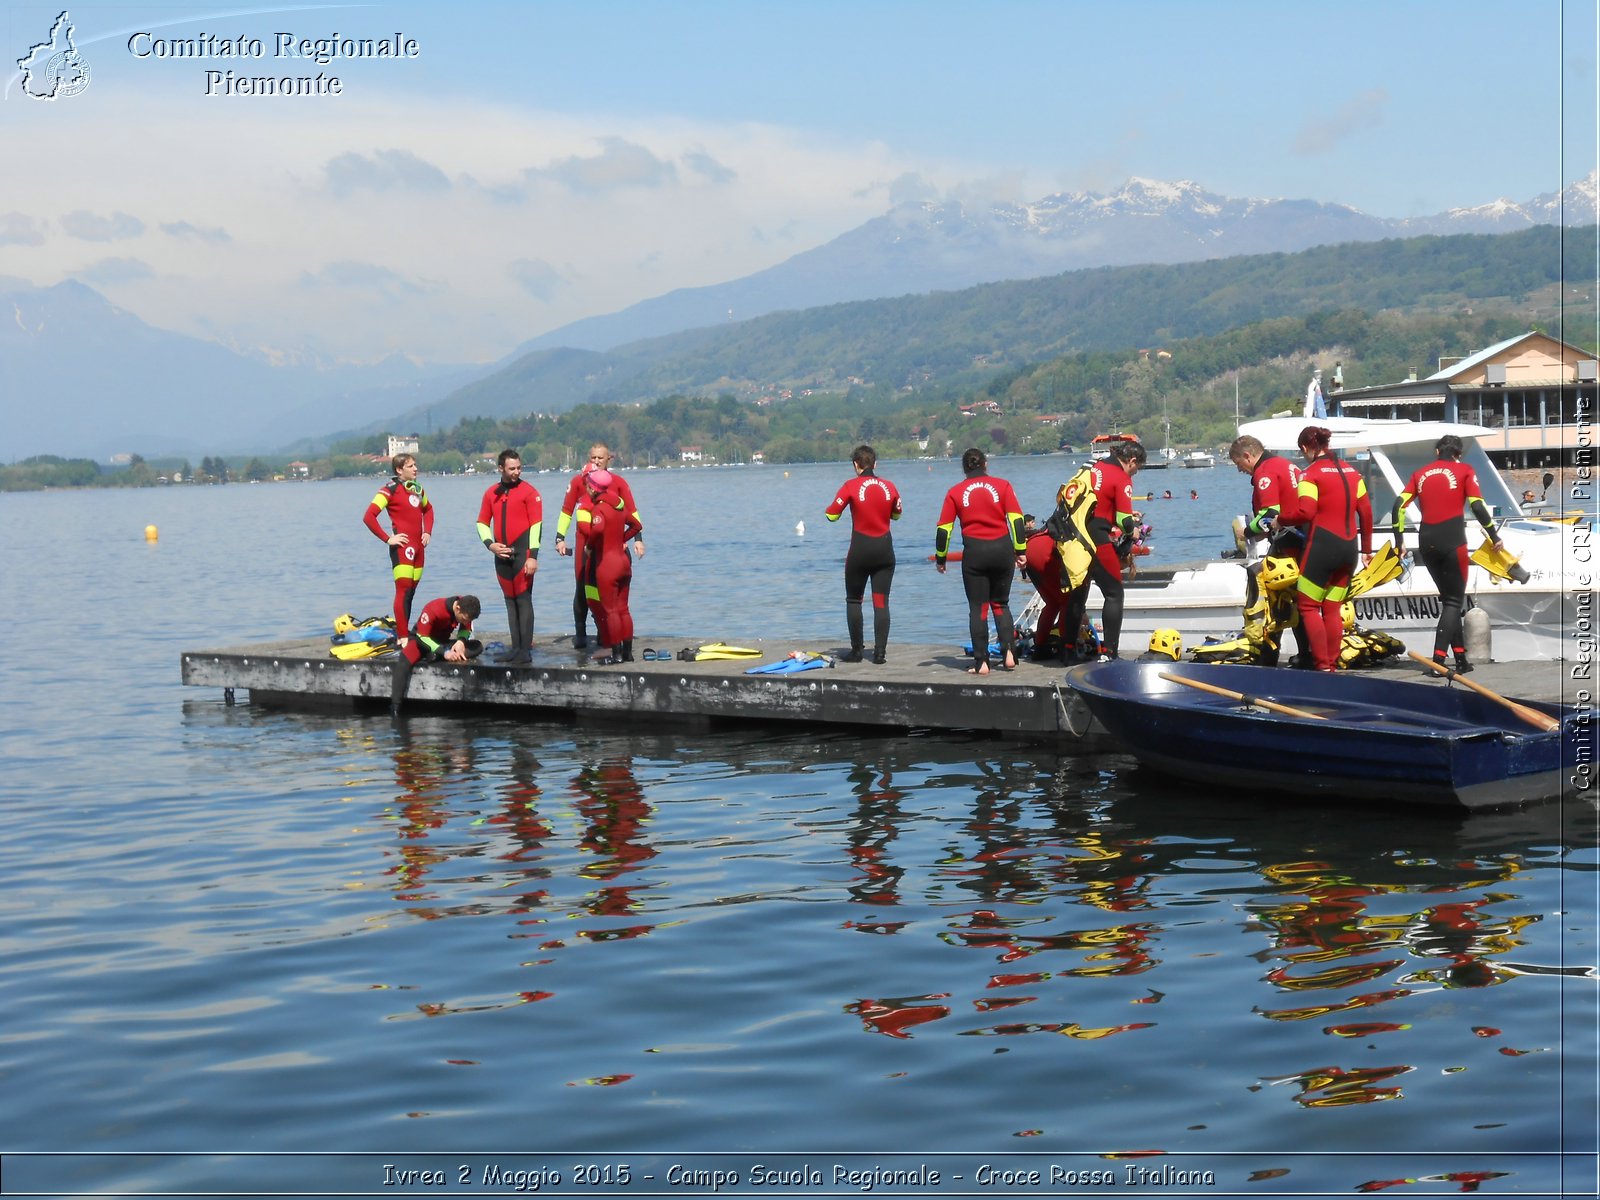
(1243, 699)
(1531, 715)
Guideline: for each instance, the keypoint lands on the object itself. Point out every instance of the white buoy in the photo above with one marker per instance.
(799, 529)
(1475, 635)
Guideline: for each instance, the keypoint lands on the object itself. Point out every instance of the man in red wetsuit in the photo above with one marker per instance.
(1274, 489)
(1112, 525)
(873, 503)
(1334, 509)
(509, 522)
(444, 633)
(991, 548)
(599, 460)
(412, 517)
(606, 523)
(1444, 490)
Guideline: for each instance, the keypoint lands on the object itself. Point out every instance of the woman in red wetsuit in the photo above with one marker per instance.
(1444, 490)
(1334, 509)
(873, 503)
(412, 517)
(1044, 572)
(991, 548)
(607, 522)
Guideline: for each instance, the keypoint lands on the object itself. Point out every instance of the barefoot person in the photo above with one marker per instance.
(873, 502)
(991, 549)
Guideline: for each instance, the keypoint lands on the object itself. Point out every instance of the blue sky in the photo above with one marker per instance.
(545, 161)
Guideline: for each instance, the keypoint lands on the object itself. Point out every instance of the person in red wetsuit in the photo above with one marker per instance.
(873, 502)
(1112, 525)
(1274, 488)
(1043, 569)
(1334, 509)
(599, 460)
(509, 522)
(606, 523)
(412, 517)
(1444, 490)
(991, 548)
(444, 633)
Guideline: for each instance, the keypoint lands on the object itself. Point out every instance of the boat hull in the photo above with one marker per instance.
(1380, 741)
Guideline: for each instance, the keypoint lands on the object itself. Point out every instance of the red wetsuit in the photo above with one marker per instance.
(569, 502)
(1334, 508)
(513, 515)
(1274, 490)
(411, 514)
(1444, 490)
(991, 539)
(607, 523)
(435, 627)
(873, 503)
(1044, 571)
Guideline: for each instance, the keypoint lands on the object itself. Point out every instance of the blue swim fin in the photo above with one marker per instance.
(797, 660)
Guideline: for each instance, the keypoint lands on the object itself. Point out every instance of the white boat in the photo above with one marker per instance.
(1199, 458)
(1535, 620)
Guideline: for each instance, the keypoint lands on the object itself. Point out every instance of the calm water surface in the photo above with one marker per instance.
(230, 930)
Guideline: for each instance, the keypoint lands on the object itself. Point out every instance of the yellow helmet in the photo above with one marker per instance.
(1347, 615)
(1168, 642)
(1278, 572)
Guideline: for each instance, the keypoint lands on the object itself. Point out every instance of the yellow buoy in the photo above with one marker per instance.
(151, 533)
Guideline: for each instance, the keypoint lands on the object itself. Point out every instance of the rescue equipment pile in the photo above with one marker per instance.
(1269, 611)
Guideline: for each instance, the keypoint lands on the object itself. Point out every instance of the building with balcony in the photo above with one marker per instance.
(1537, 393)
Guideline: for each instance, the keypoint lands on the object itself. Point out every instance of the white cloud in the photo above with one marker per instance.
(1361, 112)
(184, 229)
(536, 277)
(111, 271)
(377, 226)
(92, 227)
(619, 164)
(385, 170)
(19, 229)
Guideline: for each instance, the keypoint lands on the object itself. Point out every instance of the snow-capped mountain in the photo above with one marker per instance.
(924, 247)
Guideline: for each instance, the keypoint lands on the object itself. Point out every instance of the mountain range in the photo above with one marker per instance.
(85, 377)
(928, 246)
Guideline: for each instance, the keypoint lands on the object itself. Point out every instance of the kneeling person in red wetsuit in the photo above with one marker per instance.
(607, 522)
(443, 633)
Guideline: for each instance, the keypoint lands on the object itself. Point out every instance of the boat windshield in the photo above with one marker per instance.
(1403, 460)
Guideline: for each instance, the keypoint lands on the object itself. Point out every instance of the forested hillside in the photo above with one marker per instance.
(965, 339)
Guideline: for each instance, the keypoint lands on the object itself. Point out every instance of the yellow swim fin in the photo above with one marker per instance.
(1502, 564)
(350, 651)
(1385, 565)
(721, 650)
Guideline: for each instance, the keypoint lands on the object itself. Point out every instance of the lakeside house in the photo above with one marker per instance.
(1536, 392)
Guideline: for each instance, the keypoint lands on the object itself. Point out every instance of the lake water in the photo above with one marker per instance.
(280, 953)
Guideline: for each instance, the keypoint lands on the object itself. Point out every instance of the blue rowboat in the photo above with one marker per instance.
(1359, 737)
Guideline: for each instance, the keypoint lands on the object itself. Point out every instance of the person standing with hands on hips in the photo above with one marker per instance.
(412, 517)
(873, 503)
(991, 550)
(1444, 490)
(509, 522)
(599, 460)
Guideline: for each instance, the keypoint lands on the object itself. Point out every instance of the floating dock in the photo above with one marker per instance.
(920, 687)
